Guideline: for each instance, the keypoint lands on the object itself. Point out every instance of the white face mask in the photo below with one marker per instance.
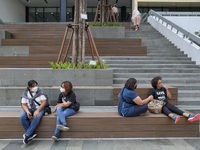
(34, 89)
(62, 90)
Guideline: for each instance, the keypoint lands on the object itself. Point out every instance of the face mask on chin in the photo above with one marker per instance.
(62, 90)
(34, 89)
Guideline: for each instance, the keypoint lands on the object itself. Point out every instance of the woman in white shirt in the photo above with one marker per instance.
(33, 102)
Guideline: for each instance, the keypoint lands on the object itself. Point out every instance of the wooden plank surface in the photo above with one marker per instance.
(103, 125)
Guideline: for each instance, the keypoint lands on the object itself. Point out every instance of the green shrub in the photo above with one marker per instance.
(69, 65)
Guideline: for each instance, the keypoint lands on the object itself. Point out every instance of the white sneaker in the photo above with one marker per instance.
(62, 127)
(54, 138)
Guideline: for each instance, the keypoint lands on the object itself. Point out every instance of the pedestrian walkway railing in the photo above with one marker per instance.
(178, 35)
(170, 13)
(193, 39)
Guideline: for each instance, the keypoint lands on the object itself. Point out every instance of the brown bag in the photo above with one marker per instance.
(155, 106)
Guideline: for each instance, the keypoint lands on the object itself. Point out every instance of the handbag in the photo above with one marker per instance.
(155, 106)
(75, 106)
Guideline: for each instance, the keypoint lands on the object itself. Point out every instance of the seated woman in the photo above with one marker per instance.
(33, 101)
(162, 93)
(129, 103)
(67, 106)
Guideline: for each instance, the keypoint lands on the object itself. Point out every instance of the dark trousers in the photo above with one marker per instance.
(169, 108)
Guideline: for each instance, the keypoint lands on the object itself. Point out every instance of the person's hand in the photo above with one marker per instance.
(150, 98)
(54, 110)
(36, 114)
(166, 87)
(29, 115)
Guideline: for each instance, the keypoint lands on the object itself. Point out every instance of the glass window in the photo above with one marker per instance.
(39, 16)
(51, 15)
(31, 15)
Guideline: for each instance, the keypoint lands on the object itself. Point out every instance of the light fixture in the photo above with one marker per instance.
(28, 1)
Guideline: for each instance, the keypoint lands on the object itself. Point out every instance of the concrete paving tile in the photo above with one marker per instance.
(4, 144)
(75, 145)
(105, 145)
(182, 144)
(60, 145)
(90, 145)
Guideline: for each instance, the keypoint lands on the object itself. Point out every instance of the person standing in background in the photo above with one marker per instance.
(136, 19)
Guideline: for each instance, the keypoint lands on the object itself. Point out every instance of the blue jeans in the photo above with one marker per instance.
(62, 113)
(30, 126)
(134, 110)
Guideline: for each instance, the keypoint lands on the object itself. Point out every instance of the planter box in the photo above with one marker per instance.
(107, 32)
(50, 77)
(92, 86)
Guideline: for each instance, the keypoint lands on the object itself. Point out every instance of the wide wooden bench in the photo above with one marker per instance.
(103, 125)
(143, 92)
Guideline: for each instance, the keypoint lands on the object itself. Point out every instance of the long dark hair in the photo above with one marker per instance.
(131, 84)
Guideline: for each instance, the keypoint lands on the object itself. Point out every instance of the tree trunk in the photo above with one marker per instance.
(83, 11)
(75, 48)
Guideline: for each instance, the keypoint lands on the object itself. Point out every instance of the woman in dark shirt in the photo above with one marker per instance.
(66, 107)
(162, 93)
(129, 103)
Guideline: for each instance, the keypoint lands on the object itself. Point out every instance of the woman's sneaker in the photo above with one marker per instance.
(27, 139)
(193, 117)
(54, 138)
(62, 127)
(177, 119)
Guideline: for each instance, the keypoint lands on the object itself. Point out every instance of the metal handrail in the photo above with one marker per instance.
(171, 13)
(191, 37)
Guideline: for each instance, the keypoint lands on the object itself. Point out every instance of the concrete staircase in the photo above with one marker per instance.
(163, 59)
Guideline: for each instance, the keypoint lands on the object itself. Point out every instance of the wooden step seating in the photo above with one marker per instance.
(47, 38)
(86, 124)
(105, 47)
(104, 122)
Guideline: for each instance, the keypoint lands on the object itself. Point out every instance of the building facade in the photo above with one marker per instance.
(63, 10)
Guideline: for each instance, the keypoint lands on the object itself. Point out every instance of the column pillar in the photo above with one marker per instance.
(134, 4)
(63, 10)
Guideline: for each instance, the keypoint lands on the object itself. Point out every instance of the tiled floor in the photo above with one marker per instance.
(104, 144)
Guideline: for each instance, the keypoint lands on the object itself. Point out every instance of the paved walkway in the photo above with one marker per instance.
(104, 144)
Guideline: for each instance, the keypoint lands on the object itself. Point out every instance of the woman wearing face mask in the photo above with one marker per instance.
(129, 103)
(32, 112)
(67, 106)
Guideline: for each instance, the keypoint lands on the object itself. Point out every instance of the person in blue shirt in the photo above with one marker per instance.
(129, 103)
(162, 93)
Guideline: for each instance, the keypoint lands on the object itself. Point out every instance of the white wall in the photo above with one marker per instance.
(191, 24)
(12, 11)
